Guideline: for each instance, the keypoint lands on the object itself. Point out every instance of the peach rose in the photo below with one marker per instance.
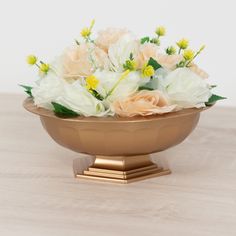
(82, 60)
(169, 62)
(142, 103)
(108, 37)
(146, 51)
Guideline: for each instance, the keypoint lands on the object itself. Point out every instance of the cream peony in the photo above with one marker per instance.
(73, 96)
(108, 37)
(142, 103)
(83, 60)
(127, 86)
(185, 88)
(120, 51)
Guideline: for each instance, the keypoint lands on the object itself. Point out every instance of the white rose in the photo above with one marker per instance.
(76, 97)
(47, 89)
(120, 51)
(185, 88)
(127, 86)
(71, 95)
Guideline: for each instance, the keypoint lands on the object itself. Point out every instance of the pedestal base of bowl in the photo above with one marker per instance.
(119, 135)
(123, 169)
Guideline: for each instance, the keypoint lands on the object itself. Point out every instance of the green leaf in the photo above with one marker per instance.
(151, 85)
(152, 62)
(62, 111)
(213, 86)
(144, 40)
(213, 99)
(97, 95)
(131, 56)
(77, 42)
(145, 87)
(27, 89)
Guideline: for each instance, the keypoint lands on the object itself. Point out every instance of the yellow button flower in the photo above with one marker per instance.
(44, 67)
(161, 31)
(188, 54)
(31, 59)
(183, 43)
(85, 32)
(147, 71)
(91, 82)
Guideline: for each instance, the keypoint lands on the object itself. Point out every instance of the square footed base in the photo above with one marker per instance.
(123, 177)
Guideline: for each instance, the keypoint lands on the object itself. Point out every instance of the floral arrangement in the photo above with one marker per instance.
(116, 73)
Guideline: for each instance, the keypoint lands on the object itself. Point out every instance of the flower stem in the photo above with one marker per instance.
(91, 25)
(123, 76)
(197, 53)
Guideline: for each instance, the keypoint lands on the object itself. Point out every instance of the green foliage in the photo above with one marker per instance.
(152, 62)
(77, 42)
(27, 89)
(155, 41)
(213, 86)
(145, 87)
(131, 56)
(144, 40)
(97, 95)
(171, 50)
(129, 65)
(62, 111)
(151, 85)
(213, 99)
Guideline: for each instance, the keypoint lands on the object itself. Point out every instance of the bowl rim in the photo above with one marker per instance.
(29, 105)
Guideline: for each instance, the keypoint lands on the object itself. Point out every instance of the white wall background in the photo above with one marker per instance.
(46, 27)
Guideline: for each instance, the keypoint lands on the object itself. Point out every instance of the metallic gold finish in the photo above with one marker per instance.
(121, 145)
(125, 181)
(123, 169)
(122, 163)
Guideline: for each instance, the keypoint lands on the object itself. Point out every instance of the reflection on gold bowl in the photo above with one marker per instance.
(121, 145)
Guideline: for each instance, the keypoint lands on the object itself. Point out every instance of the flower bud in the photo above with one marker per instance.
(85, 32)
(155, 41)
(31, 59)
(171, 50)
(161, 31)
(148, 71)
(130, 65)
(44, 67)
(183, 43)
(188, 54)
(91, 82)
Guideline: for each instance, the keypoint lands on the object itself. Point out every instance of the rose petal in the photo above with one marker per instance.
(142, 103)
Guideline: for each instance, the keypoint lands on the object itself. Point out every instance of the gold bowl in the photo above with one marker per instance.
(121, 146)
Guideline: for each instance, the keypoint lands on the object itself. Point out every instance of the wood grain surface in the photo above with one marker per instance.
(40, 197)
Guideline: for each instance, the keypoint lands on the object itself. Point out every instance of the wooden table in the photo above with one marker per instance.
(40, 197)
